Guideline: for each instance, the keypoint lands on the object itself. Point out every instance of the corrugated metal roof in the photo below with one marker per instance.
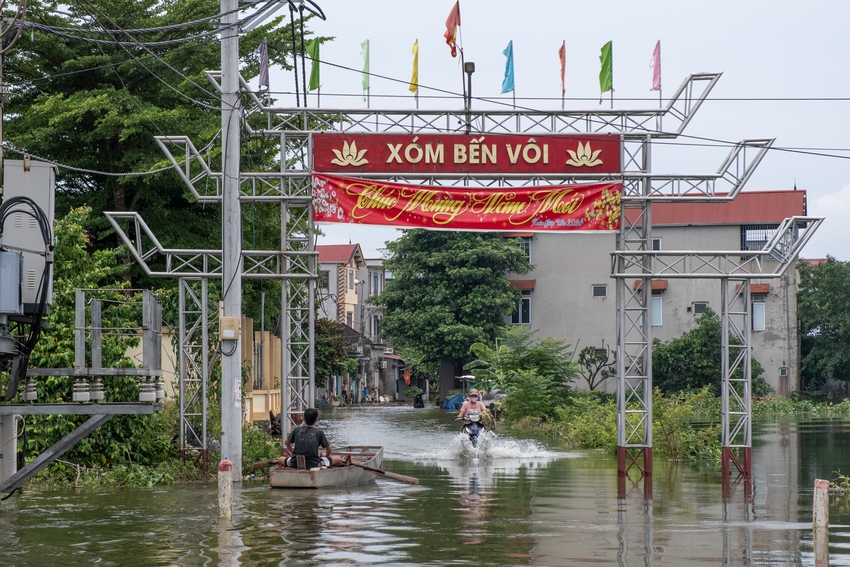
(336, 253)
(749, 207)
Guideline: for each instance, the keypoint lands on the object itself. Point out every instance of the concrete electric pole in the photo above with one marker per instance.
(231, 284)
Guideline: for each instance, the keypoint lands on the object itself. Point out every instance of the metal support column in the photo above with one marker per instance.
(194, 365)
(736, 373)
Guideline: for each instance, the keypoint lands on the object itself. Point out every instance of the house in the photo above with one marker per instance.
(346, 281)
(569, 294)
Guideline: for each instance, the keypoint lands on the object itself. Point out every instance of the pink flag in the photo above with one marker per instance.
(562, 55)
(656, 67)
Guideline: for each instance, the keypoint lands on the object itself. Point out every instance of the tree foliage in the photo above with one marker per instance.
(97, 107)
(124, 437)
(823, 309)
(536, 373)
(448, 291)
(331, 354)
(597, 366)
(692, 361)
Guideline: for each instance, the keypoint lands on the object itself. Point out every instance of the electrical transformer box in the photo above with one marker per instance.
(36, 180)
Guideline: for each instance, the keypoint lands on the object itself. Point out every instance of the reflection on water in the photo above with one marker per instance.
(518, 503)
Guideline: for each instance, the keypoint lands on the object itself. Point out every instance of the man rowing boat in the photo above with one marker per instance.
(306, 439)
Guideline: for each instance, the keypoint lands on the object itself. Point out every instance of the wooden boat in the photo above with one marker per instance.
(334, 477)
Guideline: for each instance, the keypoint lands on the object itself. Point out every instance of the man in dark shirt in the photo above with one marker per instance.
(306, 439)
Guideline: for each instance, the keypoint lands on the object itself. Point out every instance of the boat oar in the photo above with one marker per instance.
(394, 476)
(263, 465)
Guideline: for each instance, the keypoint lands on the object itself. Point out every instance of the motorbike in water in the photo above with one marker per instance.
(472, 428)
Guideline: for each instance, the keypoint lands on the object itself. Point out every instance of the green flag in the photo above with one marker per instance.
(364, 50)
(606, 74)
(313, 53)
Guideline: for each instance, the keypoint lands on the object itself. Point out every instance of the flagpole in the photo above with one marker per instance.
(562, 99)
(319, 97)
(514, 93)
(368, 95)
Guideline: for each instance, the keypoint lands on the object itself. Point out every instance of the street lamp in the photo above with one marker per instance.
(469, 69)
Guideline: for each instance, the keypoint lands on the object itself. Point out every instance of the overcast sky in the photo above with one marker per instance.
(783, 62)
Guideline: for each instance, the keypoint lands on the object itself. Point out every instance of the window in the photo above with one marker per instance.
(758, 315)
(655, 311)
(783, 371)
(525, 244)
(522, 316)
(349, 319)
(376, 286)
(656, 244)
(600, 290)
(350, 274)
(324, 279)
(699, 307)
(376, 325)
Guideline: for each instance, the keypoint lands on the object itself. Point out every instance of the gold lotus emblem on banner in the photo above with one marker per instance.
(350, 156)
(583, 156)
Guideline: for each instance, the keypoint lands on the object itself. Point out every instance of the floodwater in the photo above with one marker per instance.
(522, 502)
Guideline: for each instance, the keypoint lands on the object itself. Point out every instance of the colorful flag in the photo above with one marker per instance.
(264, 64)
(452, 23)
(406, 376)
(364, 52)
(414, 79)
(606, 74)
(656, 67)
(508, 82)
(313, 53)
(562, 55)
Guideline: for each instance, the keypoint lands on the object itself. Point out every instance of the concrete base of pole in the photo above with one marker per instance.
(820, 504)
(225, 489)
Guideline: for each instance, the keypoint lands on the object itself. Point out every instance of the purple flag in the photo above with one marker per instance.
(264, 64)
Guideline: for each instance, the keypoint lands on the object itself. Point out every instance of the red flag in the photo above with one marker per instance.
(562, 55)
(452, 22)
(406, 376)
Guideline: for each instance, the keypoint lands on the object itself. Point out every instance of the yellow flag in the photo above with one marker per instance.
(414, 79)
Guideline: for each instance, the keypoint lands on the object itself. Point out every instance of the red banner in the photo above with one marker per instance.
(593, 206)
(354, 154)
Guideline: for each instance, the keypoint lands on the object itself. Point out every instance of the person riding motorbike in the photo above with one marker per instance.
(470, 413)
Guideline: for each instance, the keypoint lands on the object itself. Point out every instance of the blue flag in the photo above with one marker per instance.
(508, 83)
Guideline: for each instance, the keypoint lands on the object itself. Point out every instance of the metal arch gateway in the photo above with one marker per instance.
(299, 131)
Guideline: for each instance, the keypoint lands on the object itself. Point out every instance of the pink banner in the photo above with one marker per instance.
(592, 206)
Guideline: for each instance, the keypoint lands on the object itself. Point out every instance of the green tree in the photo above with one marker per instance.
(536, 373)
(97, 107)
(331, 355)
(448, 292)
(823, 309)
(124, 437)
(597, 365)
(692, 361)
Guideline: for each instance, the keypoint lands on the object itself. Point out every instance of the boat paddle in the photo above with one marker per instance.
(263, 465)
(393, 476)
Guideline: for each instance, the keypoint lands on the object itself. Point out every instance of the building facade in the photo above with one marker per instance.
(569, 294)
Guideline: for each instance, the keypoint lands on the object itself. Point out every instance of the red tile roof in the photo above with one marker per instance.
(756, 288)
(336, 253)
(749, 207)
(523, 284)
(517, 234)
(657, 285)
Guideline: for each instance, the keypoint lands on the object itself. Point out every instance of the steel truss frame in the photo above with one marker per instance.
(194, 365)
(296, 262)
